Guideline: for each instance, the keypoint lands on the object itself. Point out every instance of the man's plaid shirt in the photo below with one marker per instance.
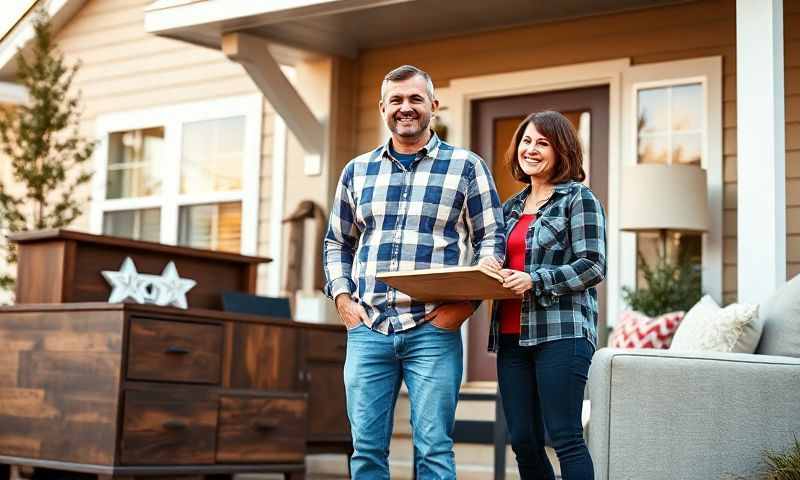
(565, 254)
(442, 211)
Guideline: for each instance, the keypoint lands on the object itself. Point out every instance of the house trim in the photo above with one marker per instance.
(172, 119)
(277, 205)
(760, 149)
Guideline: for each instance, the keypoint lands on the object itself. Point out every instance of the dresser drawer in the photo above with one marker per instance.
(168, 428)
(325, 345)
(269, 430)
(174, 351)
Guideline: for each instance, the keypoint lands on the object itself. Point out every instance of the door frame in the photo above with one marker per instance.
(457, 99)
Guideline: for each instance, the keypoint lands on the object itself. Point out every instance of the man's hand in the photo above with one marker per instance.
(450, 316)
(516, 281)
(351, 313)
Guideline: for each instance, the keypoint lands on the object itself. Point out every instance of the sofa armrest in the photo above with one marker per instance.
(658, 414)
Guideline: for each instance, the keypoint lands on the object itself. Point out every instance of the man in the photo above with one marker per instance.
(414, 202)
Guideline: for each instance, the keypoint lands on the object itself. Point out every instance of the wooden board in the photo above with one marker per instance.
(448, 284)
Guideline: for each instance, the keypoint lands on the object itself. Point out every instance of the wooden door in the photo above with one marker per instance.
(493, 124)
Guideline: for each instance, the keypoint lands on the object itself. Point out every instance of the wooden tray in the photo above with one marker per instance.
(448, 284)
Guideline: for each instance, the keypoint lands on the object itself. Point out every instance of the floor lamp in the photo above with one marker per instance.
(664, 198)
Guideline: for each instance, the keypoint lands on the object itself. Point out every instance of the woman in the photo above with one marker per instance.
(556, 255)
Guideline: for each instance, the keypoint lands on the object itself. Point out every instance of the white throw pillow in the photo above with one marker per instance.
(709, 328)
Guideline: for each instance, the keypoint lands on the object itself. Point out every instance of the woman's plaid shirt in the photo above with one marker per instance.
(565, 254)
(443, 211)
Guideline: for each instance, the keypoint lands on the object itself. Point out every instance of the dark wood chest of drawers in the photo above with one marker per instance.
(126, 389)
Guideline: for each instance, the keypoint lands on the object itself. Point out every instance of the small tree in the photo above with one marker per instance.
(42, 143)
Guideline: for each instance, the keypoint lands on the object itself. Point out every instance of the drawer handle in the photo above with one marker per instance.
(177, 350)
(264, 425)
(174, 425)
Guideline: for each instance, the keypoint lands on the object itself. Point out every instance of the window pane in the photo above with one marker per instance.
(133, 160)
(137, 224)
(687, 105)
(212, 153)
(653, 111)
(216, 226)
(686, 148)
(653, 149)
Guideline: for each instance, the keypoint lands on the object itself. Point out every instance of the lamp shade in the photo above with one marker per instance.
(658, 197)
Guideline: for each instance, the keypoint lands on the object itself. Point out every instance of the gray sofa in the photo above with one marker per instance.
(657, 414)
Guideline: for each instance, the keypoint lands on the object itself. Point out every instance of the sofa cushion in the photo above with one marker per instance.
(781, 315)
(709, 328)
(637, 330)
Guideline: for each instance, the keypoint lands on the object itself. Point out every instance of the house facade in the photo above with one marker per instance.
(216, 118)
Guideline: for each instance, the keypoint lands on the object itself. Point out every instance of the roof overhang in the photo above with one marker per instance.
(20, 36)
(345, 27)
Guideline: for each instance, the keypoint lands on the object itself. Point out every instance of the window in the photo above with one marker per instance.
(670, 130)
(672, 114)
(184, 175)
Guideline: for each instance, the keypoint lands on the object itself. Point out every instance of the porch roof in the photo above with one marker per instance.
(343, 27)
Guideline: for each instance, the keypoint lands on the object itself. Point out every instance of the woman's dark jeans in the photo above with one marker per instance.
(542, 386)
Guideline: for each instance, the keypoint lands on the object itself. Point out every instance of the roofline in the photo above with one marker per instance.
(60, 11)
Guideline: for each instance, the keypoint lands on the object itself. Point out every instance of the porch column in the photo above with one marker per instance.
(761, 163)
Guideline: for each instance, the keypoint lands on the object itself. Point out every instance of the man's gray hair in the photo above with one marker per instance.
(404, 73)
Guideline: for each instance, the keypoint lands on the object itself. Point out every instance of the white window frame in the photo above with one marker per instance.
(172, 118)
(708, 73)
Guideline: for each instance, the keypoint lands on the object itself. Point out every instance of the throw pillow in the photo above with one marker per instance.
(781, 314)
(709, 328)
(637, 330)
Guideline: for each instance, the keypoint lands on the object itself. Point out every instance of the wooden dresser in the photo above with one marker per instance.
(129, 390)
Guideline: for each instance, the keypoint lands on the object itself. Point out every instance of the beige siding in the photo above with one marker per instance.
(125, 68)
(692, 30)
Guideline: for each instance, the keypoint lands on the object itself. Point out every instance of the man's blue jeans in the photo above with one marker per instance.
(429, 360)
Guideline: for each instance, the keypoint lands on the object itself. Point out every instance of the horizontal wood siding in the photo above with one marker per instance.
(697, 29)
(791, 53)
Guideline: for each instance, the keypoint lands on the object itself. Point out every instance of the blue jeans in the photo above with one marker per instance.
(429, 360)
(542, 389)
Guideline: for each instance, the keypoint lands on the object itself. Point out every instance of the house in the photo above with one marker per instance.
(178, 91)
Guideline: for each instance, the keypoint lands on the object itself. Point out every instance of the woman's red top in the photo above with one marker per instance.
(511, 310)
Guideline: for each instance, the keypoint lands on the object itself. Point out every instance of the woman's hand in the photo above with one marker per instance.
(491, 263)
(516, 281)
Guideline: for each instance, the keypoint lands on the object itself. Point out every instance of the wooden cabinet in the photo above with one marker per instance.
(126, 389)
(142, 390)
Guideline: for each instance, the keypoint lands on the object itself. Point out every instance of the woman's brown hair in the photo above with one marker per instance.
(564, 140)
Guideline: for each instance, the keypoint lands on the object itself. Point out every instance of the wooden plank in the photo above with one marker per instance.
(327, 419)
(261, 430)
(26, 402)
(448, 284)
(72, 372)
(265, 357)
(326, 346)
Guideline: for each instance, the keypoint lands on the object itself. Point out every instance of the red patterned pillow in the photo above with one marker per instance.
(636, 330)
